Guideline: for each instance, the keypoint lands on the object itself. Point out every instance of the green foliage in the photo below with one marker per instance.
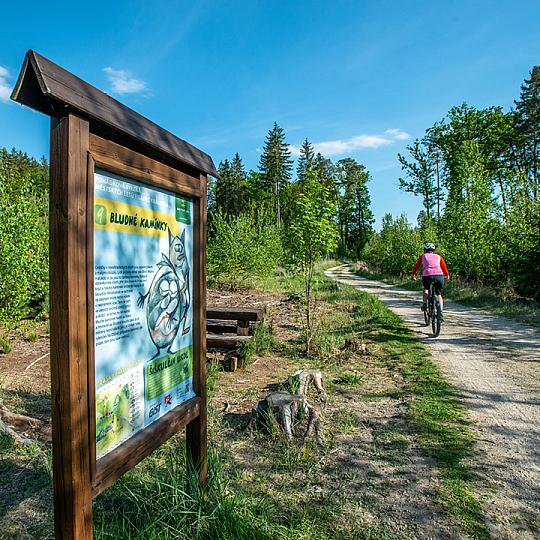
(271, 192)
(311, 234)
(239, 248)
(488, 162)
(24, 266)
(349, 378)
(467, 225)
(5, 345)
(397, 246)
(230, 190)
(312, 231)
(32, 336)
(263, 341)
(421, 176)
(522, 239)
(355, 218)
(305, 161)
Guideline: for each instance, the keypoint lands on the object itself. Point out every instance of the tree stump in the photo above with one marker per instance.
(287, 406)
(302, 379)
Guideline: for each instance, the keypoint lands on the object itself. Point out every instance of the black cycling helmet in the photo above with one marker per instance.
(429, 246)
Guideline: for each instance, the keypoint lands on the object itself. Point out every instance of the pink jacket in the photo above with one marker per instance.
(432, 265)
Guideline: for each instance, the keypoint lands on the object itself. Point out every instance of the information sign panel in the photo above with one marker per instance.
(143, 311)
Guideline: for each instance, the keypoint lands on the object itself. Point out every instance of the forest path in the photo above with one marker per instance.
(494, 365)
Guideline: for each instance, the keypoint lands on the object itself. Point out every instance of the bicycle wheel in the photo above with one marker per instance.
(436, 317)
(428, 314)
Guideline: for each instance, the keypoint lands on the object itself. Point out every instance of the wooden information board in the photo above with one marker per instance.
(128, 288)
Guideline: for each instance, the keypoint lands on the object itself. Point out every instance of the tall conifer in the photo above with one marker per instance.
(276, 166)
(305, 161)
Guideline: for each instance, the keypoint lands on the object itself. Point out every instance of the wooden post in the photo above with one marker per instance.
(69, 369)
(242, 328)
(196, 430)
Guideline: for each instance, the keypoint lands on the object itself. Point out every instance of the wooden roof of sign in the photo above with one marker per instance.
(49, 88)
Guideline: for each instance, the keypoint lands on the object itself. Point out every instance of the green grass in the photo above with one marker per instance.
(156, 501)
(263, 341)
(349, 378)
(278, 493)
(25, 482)
(472, 295)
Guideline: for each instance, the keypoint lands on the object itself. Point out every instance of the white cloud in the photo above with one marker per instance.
(123, 83)
(294, 150)
(5, 87)
(398, 134)
(358, 142)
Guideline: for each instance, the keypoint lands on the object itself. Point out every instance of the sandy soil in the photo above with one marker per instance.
(494, 364)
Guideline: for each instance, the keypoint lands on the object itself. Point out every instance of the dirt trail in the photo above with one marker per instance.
(494, 364)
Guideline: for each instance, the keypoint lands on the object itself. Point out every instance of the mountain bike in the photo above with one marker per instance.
(433, 312)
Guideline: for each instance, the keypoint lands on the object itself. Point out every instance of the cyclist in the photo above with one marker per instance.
(433, 270)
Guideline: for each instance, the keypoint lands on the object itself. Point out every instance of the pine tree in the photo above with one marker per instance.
(238, 185)
(355, 207)
(326, 170)
(305, 161)
(276, 166)
(223, 197)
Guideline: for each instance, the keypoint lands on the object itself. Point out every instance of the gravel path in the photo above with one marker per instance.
(494, 363)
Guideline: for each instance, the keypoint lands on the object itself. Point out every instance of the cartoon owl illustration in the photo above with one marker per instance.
(168, 299)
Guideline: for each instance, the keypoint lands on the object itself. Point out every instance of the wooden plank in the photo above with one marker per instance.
(196, 431)
(219, 327)
(116, 158)
(40, 78)
(235, 313)
(69, 369)
(120, 460)
(216, 341)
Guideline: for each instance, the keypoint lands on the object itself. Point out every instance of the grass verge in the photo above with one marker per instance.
(436, 417)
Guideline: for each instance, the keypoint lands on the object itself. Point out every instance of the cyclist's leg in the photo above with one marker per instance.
(439, 283)
(425, 294)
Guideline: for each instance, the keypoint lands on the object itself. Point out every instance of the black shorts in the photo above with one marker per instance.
(437, 280)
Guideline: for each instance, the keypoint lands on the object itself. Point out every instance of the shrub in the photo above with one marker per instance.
(240, 248)
(24, 264)
(396, 248)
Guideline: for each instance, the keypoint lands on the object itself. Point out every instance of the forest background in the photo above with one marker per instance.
(477, 172)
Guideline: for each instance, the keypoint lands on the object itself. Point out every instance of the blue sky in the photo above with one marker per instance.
(357, 78)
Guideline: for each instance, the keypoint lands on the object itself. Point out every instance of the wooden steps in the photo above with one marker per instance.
(227, 328)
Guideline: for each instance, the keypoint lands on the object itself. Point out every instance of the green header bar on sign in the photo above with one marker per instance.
(183, 213)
